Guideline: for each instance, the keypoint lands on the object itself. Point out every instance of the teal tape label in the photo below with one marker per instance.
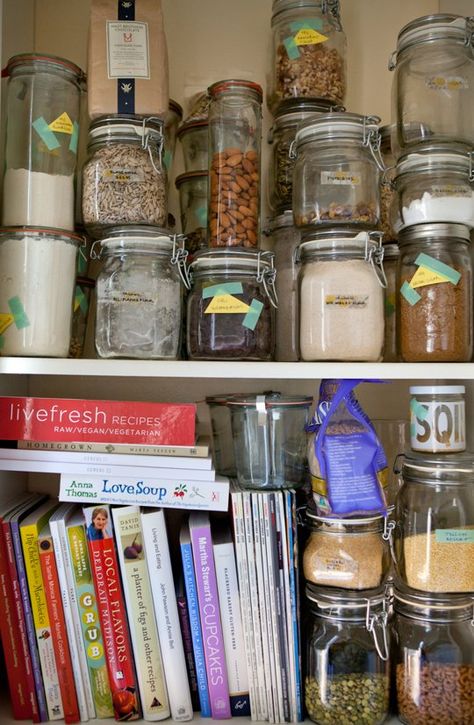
(74, 138)
(411, 295)
(251, 318)
(201, 214)
(81, 262)
(419, 411)
(80, 300)
(18, 312)
(313, 23)
(228, 288)
(412, 430)
(45, 133)
(167, 159)
(454, 536)
(291, 48)
(434, 265)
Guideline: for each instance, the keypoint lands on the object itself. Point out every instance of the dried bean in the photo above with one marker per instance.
(349, 699)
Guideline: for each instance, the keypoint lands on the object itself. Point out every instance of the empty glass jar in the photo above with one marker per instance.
(193, 201)
(222, 442)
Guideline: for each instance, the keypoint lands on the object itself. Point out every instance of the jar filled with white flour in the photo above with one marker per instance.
(37, 281)
(341, 296)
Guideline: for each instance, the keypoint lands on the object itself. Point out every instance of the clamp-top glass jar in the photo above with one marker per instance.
(231, 306)
(432, 97)
(235, 130)
(337, 169)
(123, 181)
(309, 51)
(193, 199)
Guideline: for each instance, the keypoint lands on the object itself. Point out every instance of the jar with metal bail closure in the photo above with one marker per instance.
(347, 653)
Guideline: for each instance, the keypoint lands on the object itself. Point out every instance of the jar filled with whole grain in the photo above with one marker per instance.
(347, 652)
(434, 293)
(193, 201)
(434, 533)
(308, 51)
(387, 190)
(433, 657)
(235, 130)
(391, 254)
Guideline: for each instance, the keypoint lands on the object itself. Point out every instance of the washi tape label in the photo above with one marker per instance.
(6, 320)
(45, 134)
(419, 411)
(447, 83)
(305, 32)
(62, 124)
(226, 288)
(251, 318)
(454, 536)
(308, 36)
(430, 271)
(344, 178)
(18, 311)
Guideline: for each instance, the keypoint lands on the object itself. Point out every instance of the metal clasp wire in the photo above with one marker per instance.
(392, 61)
(469, 38)
(93, 253)
(471, 166)
(179, 256)
(375, 257)
(373, 140)
(146, 142)
(292, 150)
(267, 277)
(371, 621)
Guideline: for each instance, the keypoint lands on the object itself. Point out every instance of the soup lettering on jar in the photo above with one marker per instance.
(438, 419)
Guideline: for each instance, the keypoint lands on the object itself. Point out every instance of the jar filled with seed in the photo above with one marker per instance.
(193, 198)
(347, 652)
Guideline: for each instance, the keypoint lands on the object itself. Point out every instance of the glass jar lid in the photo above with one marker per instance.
(324, 6)
(48, 61)
(207, 261)
(390, 251)
(433, 231)
(431, 469)
(334, 242)
(441, 26)
(235, 84)
(174, 107)
(289, 110)
(339, 125)
(436, 157)
(191, 126)
(437, 390)
(271, 401)
(432, 607)
(352, 526)
(139, 238)
(126, 127)
(190, 176)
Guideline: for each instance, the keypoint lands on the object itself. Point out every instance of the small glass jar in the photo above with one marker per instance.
(270, 440)
(341, 297)
(434, 77)
(123, 181)
(387, 191)
(231, 306)
(235, 118)
(194, 141)
(139, 295)
(337, 172)
(173, 118)
(346, 553)
(434, 299)
(347, 651)
(433, 657)
(308, 51)
(193, 199)
(222, 442)
(434, 533)
(391, 254)
(438, 418)
(80, 315)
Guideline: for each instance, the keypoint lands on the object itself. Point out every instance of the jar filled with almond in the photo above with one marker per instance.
(235, 113)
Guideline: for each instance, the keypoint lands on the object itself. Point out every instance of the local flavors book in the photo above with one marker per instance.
(200, 450)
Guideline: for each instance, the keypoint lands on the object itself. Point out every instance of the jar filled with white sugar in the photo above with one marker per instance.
(341, 296)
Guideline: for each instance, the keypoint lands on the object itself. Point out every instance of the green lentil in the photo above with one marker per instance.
(349, 699)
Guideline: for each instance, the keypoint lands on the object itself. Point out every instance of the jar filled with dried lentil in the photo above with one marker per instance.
(193, 137)
(433, 657)
(231, 306)
(235, 130)
(387, 191)
(123, 181)
(172, 119)
(434, 297)
(193, 199)
(308, 51)
(337, 171)
(391, 254)
(347, 652)
(434, 533)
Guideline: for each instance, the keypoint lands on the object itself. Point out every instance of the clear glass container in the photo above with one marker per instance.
(434, 302)
(231, 306)
(123, 181)
(42, 134)
(434, 533)
(341, 296)
(387, 191)
(337, 171)
(80, 315)
(173, 118)
(433, 657)
(235, 118)
(347, 651)
(432, 96)
(222, 441)
(193, 202)
(438, 418)
(391, 254)
(394, 437)
(194, 140)
(270, 440)
(139, 297)
(308, 51)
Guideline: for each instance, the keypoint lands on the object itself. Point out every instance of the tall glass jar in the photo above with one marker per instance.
(434, 302)
(387, 191)
(337, 171)
(221, 428)
(433, 657)
(231, 306)
(308, 51)
(347, 651)
(139, 295)
(42, 133)
(432, 97)
(235, 130)
(341, 299)
(123, 181)
(391, 254)
(193, 199)
(434, 533)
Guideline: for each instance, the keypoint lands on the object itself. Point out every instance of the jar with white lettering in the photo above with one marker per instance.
(438, 418)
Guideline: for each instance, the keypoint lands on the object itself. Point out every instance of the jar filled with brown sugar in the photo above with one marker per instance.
(434, 299)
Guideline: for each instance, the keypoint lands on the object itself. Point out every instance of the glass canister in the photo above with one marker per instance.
(193, 202)
(37, 281)
(139, 297)
(337, 171)
(347, 652)
(42, 133)
(432, 96)
(387, 191)
(437, 418)
(194, 140)
(80, 315)
(231, 306)
(270, 440)
(391, 254)
(123, 181)
(235, 118)
(434, 299)
(308, 51)
(341, 296)
(434, 533)
(222, 442)
(173, 118)
(433, 657)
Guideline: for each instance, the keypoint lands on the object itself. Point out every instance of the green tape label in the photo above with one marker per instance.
(228, 288)
(45, 133)
(74, 138)
(314, 23)
(434, 265)
(251, 318)
(419, 411)
(291, 48)
(201, 214)
(454, 536)
(18, 312)
(411, 295)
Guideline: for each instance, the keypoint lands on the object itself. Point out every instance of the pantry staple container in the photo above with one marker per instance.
(387, 191)
(194, 139)
(193, 203)
(437, 418)
(221, 428)
(172, 119)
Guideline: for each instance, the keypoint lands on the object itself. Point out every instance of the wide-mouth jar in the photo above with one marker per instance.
(193, 137)
(193, 203)
(437, 418)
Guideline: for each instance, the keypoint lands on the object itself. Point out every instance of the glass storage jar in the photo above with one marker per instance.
(433, 657)
(139, 294)
(341, 297)
(193, 137)
(434, 299)
(391, 254)
(123, 181)
(270, 440)
(308, 51)
(434, 533)
(193, 201)
(172, 120)
(235, 118)
(80, 315)
(222, 442)
(432, 96)
(337, 171)
(347, 650)
(231, 305)
(387, 192)
(42, 133)
(437, 418)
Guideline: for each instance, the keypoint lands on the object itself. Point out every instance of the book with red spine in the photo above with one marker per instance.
(112, 615)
